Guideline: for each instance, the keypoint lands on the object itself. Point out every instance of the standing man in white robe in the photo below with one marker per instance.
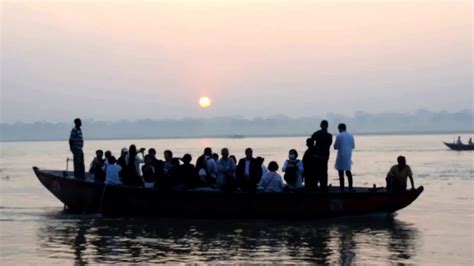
(344, 145)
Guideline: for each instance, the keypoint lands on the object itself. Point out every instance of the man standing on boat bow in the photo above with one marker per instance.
(76, 143)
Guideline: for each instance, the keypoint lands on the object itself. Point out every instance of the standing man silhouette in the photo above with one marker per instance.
(323, 140)
(344, 145)
(76, 143)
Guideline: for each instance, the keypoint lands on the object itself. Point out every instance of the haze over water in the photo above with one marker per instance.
(436, 229)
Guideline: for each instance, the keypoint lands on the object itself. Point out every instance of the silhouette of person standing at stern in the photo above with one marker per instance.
(76, 143)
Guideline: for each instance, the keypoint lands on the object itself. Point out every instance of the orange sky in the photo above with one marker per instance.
(168, 53)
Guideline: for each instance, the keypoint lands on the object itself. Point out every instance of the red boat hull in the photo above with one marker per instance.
(88, 197)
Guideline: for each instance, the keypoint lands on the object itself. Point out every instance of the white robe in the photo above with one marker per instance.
(344, 145)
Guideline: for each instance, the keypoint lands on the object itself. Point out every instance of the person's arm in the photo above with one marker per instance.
(353, 142)
(213, 168)
(410, 175)
(71, 137)
(300, 167)
(220, 167)
(285, 164)
(92, 166)
(336, 144)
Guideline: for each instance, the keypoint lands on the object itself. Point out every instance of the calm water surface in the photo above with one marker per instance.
(438, 228)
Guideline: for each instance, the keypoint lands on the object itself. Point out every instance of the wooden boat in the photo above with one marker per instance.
(88, 197)
(459, 147)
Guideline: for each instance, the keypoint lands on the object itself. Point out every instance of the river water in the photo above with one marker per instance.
(438, 228)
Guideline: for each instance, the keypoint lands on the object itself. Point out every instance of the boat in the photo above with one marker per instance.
(85, 196)
(459, 147)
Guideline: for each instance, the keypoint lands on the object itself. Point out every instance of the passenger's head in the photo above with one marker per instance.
(225, 153)
(233, 158)
(215, 156)
(175, 161)
(324, 124)
(124, 151)
(152, 152)
(132, 151)
(342, 127)
(292, 154)
(112, 160)
(208, 151)
(273, 166)
(77, 122)
(309, 142)
(99, 154)
(187, 158)
(402, 161)
(260, 160)
(168, 155)
(108, 154)
(248, 153)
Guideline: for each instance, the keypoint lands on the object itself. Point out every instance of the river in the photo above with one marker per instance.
(438, 228)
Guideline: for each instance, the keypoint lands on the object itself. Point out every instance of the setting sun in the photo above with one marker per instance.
(204, 102)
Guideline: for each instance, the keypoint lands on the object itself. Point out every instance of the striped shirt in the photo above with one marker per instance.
(76, 141)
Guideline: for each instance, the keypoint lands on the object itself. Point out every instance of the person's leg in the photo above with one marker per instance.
(81, 165)
(75, 159)
(324, 175)
(341, 179)
(349, 179)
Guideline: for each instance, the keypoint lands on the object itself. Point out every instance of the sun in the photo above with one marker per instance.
(204, 102)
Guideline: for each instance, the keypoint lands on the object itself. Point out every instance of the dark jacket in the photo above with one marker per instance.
(188, 174)
(323, 141)
(309, 162)
(249, 183)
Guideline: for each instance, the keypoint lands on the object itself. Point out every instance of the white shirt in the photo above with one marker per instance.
(271, 182)
(247, 167)
(226, 167)
(299, 173)
(112, 174)
(344, 145)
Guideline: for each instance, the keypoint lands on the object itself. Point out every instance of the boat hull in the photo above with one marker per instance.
(88, 197)
(459, 147)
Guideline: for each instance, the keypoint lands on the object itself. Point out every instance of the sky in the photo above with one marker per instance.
(114, 60)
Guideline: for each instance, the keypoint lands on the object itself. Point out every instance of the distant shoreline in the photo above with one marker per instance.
(243, 136)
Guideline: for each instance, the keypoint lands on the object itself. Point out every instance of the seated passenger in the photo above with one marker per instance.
(226, 167)
(131, 172)
(149, 171)
(122, 159)
(293, 169)
(96, 167)
(249, 172)
(207, 163)
(113, 172)
(398, 174)
(459, 142)
(271, 181)
(260, 161)
(188, 173)
(168, 164)
(470, 141)
(107, 156)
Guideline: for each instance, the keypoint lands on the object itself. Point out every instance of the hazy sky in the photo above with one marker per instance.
(112, 60)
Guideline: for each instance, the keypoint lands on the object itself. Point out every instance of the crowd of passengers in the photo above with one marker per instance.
(135, 168)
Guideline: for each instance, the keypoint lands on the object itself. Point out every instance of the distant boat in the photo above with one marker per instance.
(236, 136)
(459, 147)
(82, 196)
